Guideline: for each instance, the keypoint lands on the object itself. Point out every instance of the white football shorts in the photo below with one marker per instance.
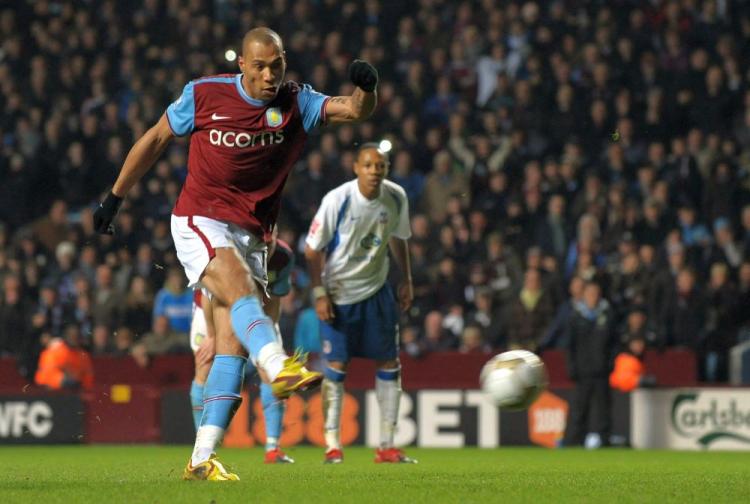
(197, 238)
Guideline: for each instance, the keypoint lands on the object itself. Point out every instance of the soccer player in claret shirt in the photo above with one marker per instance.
(247, 131)
(347, 254)
(203, 343)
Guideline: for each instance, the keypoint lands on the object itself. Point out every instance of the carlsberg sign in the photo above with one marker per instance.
(691, 419)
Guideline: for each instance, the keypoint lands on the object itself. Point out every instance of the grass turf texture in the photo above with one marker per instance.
(110, 474)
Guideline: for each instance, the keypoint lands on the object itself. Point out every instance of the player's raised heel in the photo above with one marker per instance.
(334, 456)
(210, 470)
(277, 457)
(295, 377)
(392, 456)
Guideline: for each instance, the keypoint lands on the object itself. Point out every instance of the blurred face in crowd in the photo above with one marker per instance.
(472, 338)
(744, 274)
(532, 281)
(433, 325)
(685, 281)
(371, 167)
(262, 64)
(591, 295)
(637, 346)
(636, 320)
(576, 288)
(719, 275)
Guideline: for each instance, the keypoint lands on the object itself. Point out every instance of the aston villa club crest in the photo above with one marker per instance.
(273, 117)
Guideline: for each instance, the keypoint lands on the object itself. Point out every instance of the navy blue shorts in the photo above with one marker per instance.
(366, 329)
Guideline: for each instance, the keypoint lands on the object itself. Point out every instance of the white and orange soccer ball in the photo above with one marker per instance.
(513, 380)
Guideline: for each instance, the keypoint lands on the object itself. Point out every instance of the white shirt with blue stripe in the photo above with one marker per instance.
(355, 232)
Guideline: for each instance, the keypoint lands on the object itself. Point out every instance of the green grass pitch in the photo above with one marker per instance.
(151, 474)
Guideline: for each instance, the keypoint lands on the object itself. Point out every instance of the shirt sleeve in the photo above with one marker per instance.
(323, 225)
(311, 106)
(403, 227)
(181, 112)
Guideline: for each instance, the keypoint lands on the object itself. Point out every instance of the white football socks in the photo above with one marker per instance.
(207, 439)
(388, 393)
(271, 358)
(333, 398)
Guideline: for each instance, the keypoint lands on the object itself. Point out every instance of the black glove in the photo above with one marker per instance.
(105, 214)
(363, 75)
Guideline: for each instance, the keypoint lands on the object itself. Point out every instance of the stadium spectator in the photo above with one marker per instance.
(472, 340)
(684, 312)
(591, 349)
(720, 326)
(629, 371)
(175, 302)
(64, 364)
(162, 339)
(138, 305)
(530, 314)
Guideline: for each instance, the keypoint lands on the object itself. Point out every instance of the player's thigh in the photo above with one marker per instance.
(211, 255)
(226, 342)
(380, 330)
(228, 277)
(336, 340)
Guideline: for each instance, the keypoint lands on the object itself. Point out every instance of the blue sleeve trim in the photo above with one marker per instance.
(310, 103)
(336, 238)
(181, 113)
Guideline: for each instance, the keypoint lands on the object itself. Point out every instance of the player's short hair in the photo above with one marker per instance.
(371, 145)
(264, 35)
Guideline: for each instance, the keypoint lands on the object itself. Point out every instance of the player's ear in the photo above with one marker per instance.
(241, 63)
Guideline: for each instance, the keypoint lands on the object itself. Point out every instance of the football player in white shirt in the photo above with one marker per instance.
(347, 253)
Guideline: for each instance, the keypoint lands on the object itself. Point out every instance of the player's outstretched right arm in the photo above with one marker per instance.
(140, 159)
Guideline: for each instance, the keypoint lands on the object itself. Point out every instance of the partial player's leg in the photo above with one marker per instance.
(336, 353)
(380, 342)
(273, 413)
(202, 342)
(273, 407)
(229, 279)
(221, 395)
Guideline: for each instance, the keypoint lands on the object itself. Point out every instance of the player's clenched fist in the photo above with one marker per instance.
(105, 214)
(363, 75)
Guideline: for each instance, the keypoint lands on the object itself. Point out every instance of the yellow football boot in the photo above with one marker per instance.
(295, 377)
(210, 470)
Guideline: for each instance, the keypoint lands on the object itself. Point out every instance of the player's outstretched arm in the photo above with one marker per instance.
(400, 252)
(361, 103)
(140, 159)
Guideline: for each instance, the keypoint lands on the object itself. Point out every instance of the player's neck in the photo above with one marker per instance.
(248, 92)
(368, 192)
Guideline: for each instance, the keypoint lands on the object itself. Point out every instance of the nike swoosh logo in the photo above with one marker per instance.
(217, 117)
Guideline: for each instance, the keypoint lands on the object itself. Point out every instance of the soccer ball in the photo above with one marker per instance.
(513, 380)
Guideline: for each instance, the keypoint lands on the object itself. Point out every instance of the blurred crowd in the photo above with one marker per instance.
(544, 147)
